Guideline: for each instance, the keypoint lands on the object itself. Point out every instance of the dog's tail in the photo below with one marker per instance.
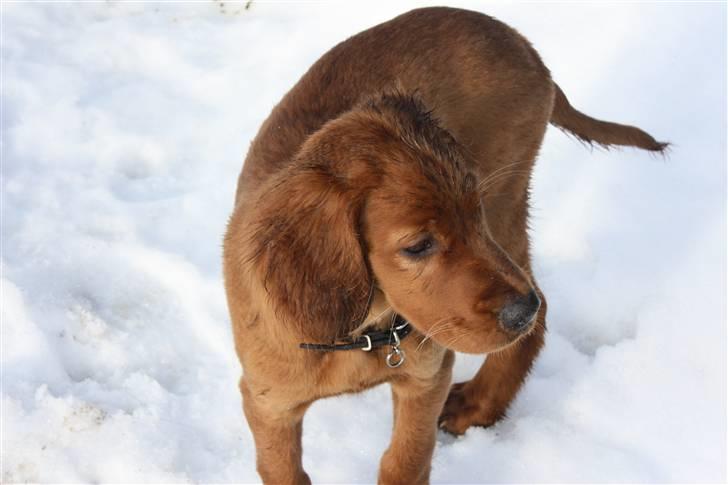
(604, 133)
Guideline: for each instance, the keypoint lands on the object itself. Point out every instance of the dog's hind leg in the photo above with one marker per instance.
(417, 404)
(277, 434)
(485, 398)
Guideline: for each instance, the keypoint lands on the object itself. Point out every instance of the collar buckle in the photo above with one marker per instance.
(369, 343)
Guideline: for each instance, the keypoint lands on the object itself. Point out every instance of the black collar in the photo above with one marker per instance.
(370, 340)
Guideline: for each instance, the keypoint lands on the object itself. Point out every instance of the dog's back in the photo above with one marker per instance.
(423, 51)
(483, 81)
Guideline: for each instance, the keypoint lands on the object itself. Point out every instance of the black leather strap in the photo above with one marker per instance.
(369, 340)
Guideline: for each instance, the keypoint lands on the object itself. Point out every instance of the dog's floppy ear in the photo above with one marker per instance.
(305, 249)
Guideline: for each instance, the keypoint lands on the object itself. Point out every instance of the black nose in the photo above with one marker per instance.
(519, 313)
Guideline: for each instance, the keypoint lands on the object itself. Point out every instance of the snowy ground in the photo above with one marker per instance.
(123, 130)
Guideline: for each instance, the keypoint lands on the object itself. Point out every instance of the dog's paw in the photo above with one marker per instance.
(466, 407)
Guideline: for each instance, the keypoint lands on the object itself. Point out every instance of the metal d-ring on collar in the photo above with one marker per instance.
(368, 341)
(396, 356)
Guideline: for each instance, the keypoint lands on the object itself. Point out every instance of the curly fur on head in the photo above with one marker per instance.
(304, 241)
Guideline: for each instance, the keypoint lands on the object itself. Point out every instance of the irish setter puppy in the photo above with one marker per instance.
(380, 225)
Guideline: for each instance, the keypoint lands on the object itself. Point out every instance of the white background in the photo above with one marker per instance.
(124, 127)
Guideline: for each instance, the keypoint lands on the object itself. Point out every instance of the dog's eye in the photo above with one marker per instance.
(421, 249)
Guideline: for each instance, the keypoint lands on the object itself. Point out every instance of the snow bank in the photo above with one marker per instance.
(124, 126)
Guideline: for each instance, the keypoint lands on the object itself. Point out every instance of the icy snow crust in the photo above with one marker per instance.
(124, 127)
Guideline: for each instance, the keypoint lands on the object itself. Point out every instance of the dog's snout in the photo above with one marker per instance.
(518, 314)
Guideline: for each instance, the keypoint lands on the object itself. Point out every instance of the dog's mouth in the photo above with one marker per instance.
(475, 337)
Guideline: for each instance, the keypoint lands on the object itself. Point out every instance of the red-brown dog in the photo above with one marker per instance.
(390, 185)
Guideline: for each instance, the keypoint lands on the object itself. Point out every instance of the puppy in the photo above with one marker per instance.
(380, 224)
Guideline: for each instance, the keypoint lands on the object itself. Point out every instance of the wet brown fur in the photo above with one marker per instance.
(427, 124)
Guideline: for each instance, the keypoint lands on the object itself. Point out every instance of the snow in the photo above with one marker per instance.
(124, 126)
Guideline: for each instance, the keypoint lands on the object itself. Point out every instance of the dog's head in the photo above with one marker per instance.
(383, 196)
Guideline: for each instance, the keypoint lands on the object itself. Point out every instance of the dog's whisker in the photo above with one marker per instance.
(439, 326)
(491, 182)
(501, 169)
(500, 177)
(454, 339)
(457, 335)
(505, 167)
(442, 328)
(428, 336)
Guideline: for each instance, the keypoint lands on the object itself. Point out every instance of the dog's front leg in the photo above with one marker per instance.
(417, 404)
(277, 433)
